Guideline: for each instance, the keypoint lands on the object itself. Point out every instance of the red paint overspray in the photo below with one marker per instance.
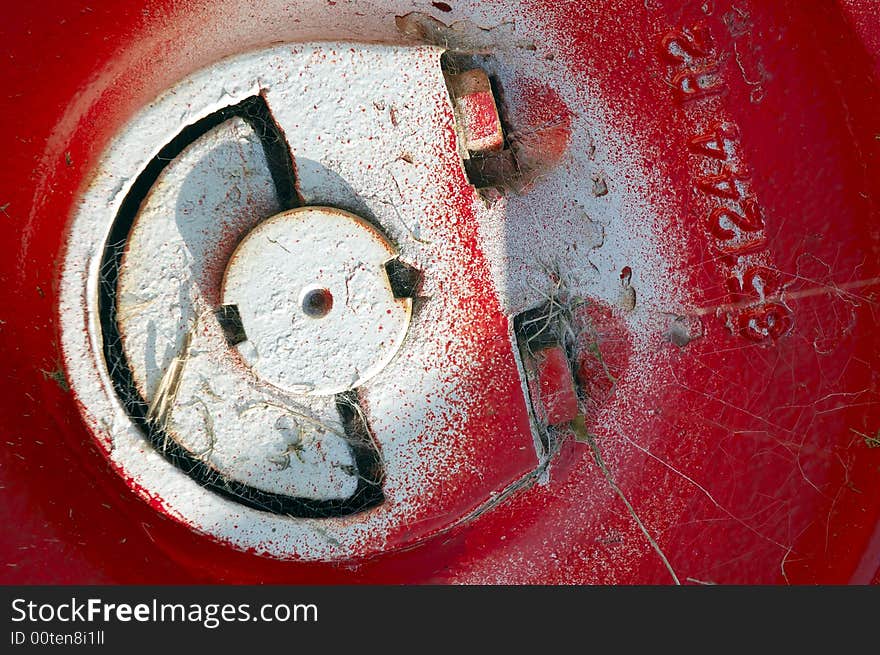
(779, 480)
(541, 126)
(487, 427)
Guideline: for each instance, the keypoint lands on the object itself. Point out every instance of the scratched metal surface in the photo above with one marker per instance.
(724, 151)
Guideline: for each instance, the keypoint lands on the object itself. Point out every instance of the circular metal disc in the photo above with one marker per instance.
(315, 300)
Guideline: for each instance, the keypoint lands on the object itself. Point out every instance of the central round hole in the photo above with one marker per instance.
(317, 303)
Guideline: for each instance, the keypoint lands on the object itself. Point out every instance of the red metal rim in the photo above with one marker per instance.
(760, 459)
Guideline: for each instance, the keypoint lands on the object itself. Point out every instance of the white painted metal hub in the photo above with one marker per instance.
(315, 301)
(257, 429)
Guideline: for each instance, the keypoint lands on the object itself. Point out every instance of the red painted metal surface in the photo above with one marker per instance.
(760, 463)
(556, 392)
